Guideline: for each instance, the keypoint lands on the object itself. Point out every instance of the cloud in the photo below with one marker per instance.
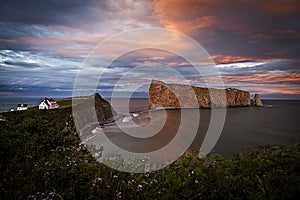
(220, 59)
(81, 14)
(24, 71)
(43, 43)
(274, 67)
(52, 12)
(255, 44)
(68, 28)
(186, 16)
(244, 28)
(277, 7)
(266, 77)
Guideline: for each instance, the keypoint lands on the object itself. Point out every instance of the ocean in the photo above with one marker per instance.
(276, 123)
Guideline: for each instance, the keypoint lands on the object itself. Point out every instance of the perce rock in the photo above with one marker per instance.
(256, 100)
(163, 95)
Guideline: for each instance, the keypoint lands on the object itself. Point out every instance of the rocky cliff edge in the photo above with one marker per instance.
(186, 96)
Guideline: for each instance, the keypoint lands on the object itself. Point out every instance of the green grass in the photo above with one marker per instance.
(68, 101)
(65, 102)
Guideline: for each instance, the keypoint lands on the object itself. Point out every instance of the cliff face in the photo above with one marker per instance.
(237, 97)
(182, 96)
(85, 116)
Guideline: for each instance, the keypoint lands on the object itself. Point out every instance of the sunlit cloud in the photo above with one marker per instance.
(223, 59)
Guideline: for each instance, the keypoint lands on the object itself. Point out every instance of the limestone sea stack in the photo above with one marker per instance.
(182, 96)
(256, 101)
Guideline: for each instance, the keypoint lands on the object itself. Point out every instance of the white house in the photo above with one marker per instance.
(22, 107)
(48, 104)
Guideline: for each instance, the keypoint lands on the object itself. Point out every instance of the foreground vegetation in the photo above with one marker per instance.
(41, 159)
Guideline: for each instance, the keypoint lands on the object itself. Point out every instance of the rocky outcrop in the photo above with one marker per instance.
(256, 101)
(235, 97)
(92, 112)
(185, 96)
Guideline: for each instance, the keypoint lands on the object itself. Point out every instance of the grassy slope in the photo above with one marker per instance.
(40, 158)
(66, 102)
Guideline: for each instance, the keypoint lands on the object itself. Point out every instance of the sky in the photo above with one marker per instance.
(254, 44)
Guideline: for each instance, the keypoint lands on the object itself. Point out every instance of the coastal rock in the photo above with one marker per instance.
(237, 97)
(105, 112)
(256, 101)
(185, 96)
(92, 112)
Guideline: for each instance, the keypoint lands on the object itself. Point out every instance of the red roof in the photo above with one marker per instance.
(22, 105)
(51, 100)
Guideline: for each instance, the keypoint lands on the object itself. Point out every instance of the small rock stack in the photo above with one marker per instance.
(256, 101)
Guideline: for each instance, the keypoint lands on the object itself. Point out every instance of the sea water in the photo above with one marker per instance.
(276, 123)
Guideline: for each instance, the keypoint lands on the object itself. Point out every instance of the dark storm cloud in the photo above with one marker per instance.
(77, 13)
(50, 12)
(37, 19)
(48, 25)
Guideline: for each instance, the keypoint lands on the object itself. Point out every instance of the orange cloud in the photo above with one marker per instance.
(266, 78)
(178, 64)
(278, 91)
(281, 83)
(154, 58)
(184, 15)
(239, 17)
(219, 59)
